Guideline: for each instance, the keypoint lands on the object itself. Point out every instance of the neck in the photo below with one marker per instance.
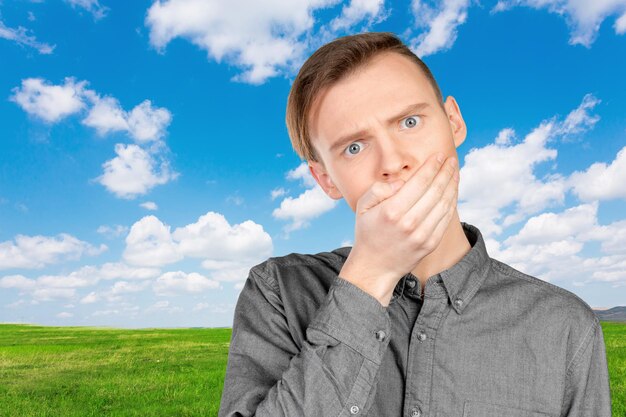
(453, 246)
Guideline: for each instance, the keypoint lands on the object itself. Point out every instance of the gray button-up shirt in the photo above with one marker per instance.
(485, 340)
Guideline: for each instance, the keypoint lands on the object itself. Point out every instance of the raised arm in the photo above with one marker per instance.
(332, 374)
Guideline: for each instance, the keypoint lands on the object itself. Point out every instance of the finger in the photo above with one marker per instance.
(378, 192)
(432, 227)
(433, 195)
(416, 186)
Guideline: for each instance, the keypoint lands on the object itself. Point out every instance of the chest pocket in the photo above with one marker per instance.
(479, 409)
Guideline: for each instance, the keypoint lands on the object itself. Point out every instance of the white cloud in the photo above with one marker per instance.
(92, 6)
(601, 181)
(125, 287)
(579, 120)
(242, 31)
(308, 205)
(119, 270)
(228, 251)
(583, 17)
(550, 246)
(134, 172)
(620, 25)
(172, 283)
(63, 286)
(51, 294)
(441, 23)
(235, 199)
(357, 11)
(38, 251)
(149, 205)
(505, 137)
(112, 231)
(17, 281)
(46, 286)
(65, 315)
(21, 37)
(150, 243)
(277, 192)
(201, 306)
(164, 306)
(75, 279)
(550, 227)
(144, 123)
(49, 102)
(301, 210)
(302, 172)
(213, 238)
(147, 123)
(90, 298)
(500, 176)
(265, 39)
(106, 115)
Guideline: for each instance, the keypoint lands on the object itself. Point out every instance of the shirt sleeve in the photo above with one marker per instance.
(587, 386)
(331, 374)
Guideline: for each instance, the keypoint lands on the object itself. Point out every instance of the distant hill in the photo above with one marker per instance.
(612, 314)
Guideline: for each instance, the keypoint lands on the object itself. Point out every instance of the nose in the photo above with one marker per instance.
(395, 159)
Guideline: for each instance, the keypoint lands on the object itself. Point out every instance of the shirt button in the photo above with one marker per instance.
(421, 336)
(416, 412)
(354, 409)
(380, 335)
(410, 282)
(458, 302)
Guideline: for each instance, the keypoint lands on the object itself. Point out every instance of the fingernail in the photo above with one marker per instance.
(440, 157)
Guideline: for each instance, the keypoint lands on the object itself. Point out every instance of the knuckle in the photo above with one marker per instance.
(419, 238)
(406, 225)
(391, 215)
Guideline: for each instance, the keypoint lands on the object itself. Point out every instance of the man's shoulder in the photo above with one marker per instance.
(290, 266)
(556, 301)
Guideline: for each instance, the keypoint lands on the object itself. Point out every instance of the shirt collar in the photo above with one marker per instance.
(461, 281)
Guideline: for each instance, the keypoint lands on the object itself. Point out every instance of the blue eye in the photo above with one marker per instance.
(354, 148)
(410, 122)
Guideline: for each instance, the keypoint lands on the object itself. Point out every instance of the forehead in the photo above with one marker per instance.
(379, 89)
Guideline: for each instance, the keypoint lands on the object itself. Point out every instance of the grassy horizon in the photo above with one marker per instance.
(105, 371)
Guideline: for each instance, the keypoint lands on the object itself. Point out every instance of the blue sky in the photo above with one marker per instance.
(145, 164)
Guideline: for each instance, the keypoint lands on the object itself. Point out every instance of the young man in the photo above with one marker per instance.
(415, 319)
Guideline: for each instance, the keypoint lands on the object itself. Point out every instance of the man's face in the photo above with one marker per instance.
(394, 139)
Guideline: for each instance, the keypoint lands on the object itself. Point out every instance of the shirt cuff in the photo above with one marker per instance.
(355, 318)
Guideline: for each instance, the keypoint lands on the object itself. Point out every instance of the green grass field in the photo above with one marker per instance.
(82, 371)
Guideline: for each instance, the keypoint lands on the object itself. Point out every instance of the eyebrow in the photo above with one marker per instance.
(363, 132)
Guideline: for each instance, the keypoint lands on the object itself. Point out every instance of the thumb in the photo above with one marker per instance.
(377, 193)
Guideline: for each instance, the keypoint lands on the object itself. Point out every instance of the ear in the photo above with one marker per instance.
(318, 170)
(459, 130)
